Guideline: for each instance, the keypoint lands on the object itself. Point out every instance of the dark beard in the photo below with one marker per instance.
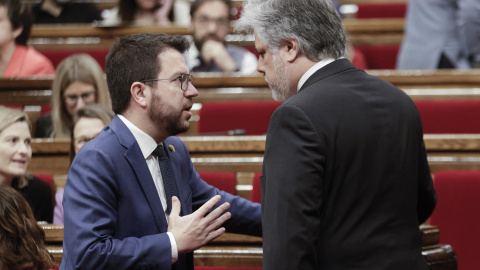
(172, 122)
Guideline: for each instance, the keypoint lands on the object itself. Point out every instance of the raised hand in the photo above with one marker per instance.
(195, 230)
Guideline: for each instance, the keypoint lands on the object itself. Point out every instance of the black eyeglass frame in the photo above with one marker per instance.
(184, 80)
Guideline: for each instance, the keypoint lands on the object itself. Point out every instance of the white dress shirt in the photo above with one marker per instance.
(312, 70)
(147, 146)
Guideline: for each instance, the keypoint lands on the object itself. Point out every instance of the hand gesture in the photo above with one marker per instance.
(195, 230)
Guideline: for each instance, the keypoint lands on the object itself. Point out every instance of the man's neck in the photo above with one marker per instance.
(143, 123)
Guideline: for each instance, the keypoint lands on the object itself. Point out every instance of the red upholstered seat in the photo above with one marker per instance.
(220, 117)
(14, 106)
(255, 195)
(222, 180)
(449, 116)
(381, 10)
(47, 178)
(57, 56)
(379, 56)
(457, 214)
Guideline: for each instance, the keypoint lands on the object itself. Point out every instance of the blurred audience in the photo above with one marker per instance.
(441, 34)
(79, 80)
(21, 238)
(88, 122)
(15, 154)
(65, 11)
(140, 12)
(16, 58)
(209, 52)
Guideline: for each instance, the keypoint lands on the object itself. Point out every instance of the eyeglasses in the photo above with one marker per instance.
(205, 21)
(86, 97)
(184, 80)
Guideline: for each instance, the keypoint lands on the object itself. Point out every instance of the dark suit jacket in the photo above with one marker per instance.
(345, 181)
(112, 212)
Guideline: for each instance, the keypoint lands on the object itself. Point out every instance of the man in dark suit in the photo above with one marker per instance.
(131, 191)
(345, 180)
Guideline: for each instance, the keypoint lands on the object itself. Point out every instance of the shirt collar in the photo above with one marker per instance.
(147, 144)
(312, 70)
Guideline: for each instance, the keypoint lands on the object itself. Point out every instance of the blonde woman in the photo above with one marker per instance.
(79, 80)
(15, 154)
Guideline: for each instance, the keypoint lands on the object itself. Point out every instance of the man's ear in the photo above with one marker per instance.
(289, 50)
(139, 93)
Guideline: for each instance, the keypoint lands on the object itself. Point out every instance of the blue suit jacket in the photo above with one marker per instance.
(112, 212)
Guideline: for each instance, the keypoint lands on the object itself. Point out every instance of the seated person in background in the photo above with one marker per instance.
(16, 58)
(15, 153)
(209, 52)
(87, 124)
(21, 239)
(65, 11)
(79, 80)
(140, 12)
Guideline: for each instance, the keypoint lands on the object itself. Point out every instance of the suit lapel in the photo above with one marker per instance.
(134, 156)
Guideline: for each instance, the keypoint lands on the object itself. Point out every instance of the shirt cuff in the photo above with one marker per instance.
(173, 244)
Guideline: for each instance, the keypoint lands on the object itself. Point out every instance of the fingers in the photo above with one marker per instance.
(203, 210)
(218, 222)
(215, 234)
(215, 214)
(176, 206)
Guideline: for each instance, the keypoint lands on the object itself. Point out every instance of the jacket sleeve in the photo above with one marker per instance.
(246, 215)
(292, 191)
(427, 196)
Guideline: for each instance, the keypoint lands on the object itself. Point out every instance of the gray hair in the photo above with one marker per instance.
(315, 24)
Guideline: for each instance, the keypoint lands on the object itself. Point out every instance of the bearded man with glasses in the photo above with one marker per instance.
(210, 24)
(133, 199)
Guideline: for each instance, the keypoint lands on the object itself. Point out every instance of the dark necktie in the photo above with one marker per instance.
(167, 175)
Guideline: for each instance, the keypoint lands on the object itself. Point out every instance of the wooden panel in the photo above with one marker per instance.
(245, 153)
(246, 251)
(212, 87)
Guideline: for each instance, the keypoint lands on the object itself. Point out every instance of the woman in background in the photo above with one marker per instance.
(79, 80)
(16, 58)
(88, 122)
(141, 12)
(65, 11)
(15, 154)
(21, 239)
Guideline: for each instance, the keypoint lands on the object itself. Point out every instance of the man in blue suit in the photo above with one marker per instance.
(117, 198)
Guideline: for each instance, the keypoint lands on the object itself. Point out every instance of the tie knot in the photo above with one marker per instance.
(160, 152)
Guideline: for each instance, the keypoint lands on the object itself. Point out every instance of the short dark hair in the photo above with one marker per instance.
(19, 15)
(197, 3)
(134, 58)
